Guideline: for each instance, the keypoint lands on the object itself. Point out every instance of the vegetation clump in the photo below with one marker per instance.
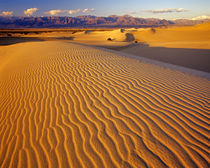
(122, 30)
(153, 30)
(129, 37)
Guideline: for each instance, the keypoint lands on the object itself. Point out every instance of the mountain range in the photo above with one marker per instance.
(90, 22)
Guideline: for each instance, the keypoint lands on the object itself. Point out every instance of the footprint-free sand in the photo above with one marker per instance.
(68, 105)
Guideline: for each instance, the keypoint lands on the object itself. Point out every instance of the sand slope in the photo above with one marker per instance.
(66, 105)
(192, 58)
(197, 36)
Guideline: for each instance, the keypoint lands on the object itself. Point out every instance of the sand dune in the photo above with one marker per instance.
(197, 36)
(192, 58)
(67, 105)
(99, 38)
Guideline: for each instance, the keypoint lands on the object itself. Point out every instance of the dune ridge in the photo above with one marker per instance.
(67, 105)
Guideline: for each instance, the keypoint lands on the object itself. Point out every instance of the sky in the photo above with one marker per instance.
(163, 9)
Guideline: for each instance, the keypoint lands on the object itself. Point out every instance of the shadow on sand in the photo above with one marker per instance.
(198, 59)
(14, 40)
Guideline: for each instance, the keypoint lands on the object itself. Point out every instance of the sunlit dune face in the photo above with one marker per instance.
(69, 105)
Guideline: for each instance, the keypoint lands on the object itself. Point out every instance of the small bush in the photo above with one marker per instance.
(109, 39)
(129, 37)
(88, 31)
(153, 30)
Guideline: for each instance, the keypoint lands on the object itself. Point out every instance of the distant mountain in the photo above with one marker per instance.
(86, 22)
(190, 22)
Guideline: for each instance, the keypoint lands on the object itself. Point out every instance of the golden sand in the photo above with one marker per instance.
(67, 105)
(197, 36)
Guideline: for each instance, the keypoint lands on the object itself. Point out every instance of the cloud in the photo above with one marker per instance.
(70, 12)
(56, 12)
(30, 11)
(6, 13)
(201, 17)
(74, 11)
(59, 11)
(167, 10)
(132, 12)
(88, 10)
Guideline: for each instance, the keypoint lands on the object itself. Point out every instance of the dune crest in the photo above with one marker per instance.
(67, 105)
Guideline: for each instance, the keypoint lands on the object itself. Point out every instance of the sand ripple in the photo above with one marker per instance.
(66, 105)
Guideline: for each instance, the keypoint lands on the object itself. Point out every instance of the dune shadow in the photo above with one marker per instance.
(191, 58)
(88, 31)
(65, 38)
(14, 40)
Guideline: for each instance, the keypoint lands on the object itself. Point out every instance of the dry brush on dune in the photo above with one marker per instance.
(67, 105)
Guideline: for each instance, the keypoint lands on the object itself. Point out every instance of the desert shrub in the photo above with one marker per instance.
(129, 37)
(9, 35)
(153, 30)
(136, 41)
(88, 31)
(109, 39)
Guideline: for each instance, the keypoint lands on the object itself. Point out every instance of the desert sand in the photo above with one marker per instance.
(187, 46)
(196, 37)
(70, 105)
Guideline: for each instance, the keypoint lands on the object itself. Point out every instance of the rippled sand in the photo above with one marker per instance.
(67, 105)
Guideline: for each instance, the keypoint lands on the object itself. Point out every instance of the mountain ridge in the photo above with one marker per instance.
(88, 21)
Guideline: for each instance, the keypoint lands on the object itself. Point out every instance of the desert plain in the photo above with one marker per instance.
(105, 98)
